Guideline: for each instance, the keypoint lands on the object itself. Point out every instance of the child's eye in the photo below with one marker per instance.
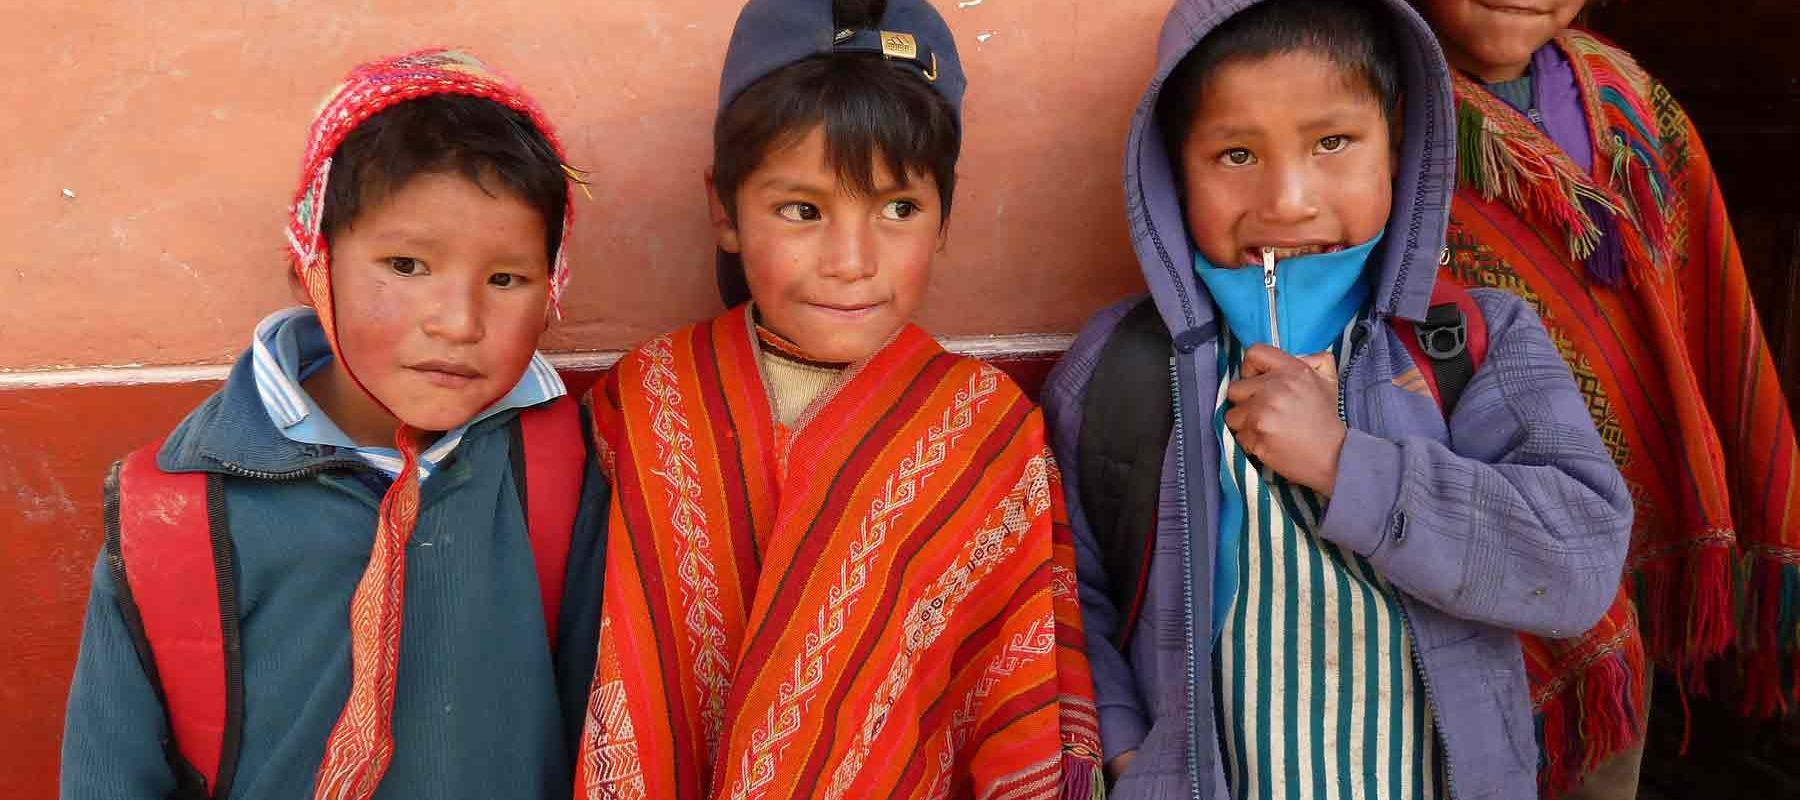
(506, 280)
(401, 265)
(799, 212)
(1237, 157)
(1332, 144)
(900, 210)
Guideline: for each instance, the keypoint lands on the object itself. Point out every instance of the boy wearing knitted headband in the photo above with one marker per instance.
(838, 566)
(390, 618)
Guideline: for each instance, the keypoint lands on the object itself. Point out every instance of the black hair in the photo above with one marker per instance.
(868, 107)
(1355, 35)
(477, 138)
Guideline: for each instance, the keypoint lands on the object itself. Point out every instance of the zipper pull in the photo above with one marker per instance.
(1268, 254)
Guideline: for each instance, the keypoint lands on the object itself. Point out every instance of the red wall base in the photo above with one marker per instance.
(55, 448)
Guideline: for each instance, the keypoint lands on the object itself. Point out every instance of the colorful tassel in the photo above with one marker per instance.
(1619, 229)
(1602, 715)
(1082, 778)
(1770, 636)
(1606, 265)
(1501, 156)
(1691, 601)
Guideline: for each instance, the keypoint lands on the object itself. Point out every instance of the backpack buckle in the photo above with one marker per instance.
(1444, 334)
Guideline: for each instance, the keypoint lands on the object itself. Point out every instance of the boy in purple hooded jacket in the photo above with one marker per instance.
(1338, 572)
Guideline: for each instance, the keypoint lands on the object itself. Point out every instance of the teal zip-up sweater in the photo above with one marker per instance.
(482, 710)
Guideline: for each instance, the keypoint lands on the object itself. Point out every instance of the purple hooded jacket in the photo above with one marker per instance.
(1507, 517)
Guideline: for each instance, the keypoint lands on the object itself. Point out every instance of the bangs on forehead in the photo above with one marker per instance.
(1356, 36)
(492, 146)
(869, 112)
(862, 127)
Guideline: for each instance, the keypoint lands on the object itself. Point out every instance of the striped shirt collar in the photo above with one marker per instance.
(290, 346)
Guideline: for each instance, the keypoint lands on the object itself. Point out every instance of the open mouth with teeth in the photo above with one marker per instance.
(1254, 255)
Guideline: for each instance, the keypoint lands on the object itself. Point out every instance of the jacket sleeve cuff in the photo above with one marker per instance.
(1122, 730)
(1364, 501)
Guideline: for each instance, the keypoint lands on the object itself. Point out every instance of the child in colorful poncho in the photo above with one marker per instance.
(1584, 188)
(838, 564)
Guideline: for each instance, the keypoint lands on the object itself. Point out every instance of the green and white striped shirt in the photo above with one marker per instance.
(1318, 692)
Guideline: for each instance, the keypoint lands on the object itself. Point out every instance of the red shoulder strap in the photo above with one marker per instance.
(1446, 292)
(165, 549)
(555, 460)
(1449, 291)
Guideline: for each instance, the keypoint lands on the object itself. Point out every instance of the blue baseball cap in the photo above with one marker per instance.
(771, 34)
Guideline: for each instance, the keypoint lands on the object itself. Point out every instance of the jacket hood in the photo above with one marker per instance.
(1404, 266)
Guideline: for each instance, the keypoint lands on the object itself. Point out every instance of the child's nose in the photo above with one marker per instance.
(1291, 195)
(849, 250)
(455, 316)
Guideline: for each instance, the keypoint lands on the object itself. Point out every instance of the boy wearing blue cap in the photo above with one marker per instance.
(838, 564)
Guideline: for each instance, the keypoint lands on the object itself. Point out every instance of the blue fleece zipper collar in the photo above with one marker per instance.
(1314, 297)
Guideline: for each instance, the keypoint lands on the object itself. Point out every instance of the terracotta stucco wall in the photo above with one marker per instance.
(175, 128)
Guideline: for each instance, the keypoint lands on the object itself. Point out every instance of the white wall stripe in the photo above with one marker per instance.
(1001, 347)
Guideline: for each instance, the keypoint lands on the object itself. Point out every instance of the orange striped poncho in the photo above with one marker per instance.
(877, 602)
(1678, 378)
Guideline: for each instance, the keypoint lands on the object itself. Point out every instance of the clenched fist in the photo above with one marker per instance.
(1284, 413)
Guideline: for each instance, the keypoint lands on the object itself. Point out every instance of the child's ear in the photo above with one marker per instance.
(724, 229)
(298, 289)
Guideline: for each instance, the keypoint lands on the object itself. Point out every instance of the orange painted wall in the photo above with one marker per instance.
(177, 127)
